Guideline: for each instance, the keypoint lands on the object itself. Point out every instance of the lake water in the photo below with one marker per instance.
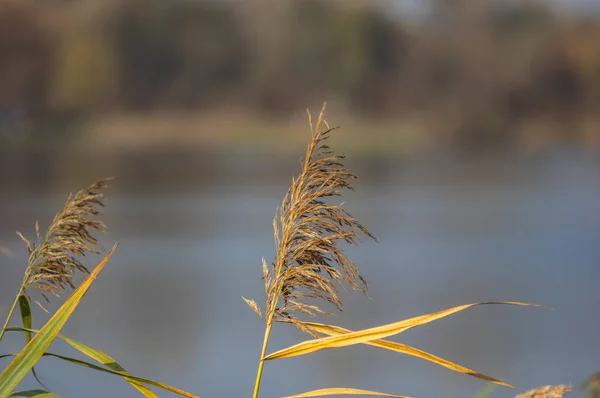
(193, 227)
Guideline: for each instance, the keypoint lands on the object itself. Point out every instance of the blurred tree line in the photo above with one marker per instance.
(482, 70)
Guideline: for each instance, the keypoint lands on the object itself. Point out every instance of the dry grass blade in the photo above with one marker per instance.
(344, 391)
(547, 392)
(54, 259)
(368, 335)
(404, 349)
(309, 262)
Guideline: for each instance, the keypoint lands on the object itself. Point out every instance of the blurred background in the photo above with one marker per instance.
(474, 126)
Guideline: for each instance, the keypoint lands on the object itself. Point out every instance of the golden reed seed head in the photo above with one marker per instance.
(309, 262)
(54, 259)
(547, 392)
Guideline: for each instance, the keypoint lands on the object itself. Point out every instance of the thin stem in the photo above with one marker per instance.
(10, 313)
(262, 355)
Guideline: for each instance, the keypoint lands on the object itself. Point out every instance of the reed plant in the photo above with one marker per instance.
(52, 262)
(309, 269)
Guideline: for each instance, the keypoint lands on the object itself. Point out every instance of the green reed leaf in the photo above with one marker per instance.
(25, 316)
(129, 377)
(28, 357)
(97, 355)
(35, 393)
(486, 391)
(26, 319)
(110, 371)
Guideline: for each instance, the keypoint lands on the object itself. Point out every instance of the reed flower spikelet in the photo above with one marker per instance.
(54, 259)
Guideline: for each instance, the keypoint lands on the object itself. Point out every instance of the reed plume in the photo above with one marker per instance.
(547, 392)
(309, 263)
(54, 259)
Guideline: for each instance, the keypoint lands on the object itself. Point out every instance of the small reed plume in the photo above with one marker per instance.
(547, 392)
(54, 259)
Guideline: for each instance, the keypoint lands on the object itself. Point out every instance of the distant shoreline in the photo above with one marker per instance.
(247, 132)
(240, 132)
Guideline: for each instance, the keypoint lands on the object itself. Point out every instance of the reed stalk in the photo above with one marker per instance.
(309, 263)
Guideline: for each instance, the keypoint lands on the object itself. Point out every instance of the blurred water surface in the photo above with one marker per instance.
(193, 227)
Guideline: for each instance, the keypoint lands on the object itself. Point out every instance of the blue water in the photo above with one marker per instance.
(168, 305)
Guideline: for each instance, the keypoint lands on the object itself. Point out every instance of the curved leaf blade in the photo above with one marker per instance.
(25, 310)
(27, 358)
(97, 355)
(35, 393)
(405, 349)
(25, 316)
(379, 332)
(344, 391)
(109, 362)
(110, 371)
